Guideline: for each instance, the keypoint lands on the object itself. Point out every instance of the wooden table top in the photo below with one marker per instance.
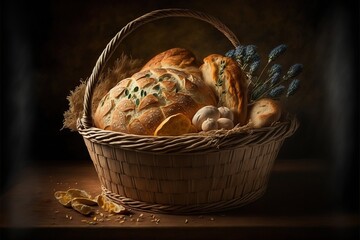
(297, 205)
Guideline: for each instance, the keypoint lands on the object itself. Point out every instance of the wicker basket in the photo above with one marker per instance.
(188, 174)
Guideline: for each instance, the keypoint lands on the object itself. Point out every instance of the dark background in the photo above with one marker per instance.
(47, 47)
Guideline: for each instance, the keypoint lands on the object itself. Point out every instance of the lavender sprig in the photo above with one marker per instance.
(250, 53)
(254, 67)
(276, 68)
(275, 78)
(277, 52)
(240, 54)
(293, 87)
(277, 91)
(294, 71)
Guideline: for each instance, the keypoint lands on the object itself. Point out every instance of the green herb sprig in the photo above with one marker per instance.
(270, 83)
(220, 81)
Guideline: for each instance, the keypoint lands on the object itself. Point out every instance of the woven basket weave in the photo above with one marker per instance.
(189, 174)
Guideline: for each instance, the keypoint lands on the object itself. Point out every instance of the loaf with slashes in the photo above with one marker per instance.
(169, 84)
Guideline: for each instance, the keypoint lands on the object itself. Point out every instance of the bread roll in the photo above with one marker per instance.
(226, 78)
(168, 84)
(264, 112)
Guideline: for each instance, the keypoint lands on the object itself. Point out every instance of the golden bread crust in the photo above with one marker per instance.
(264, 112)
(179, 57)
(227, 79)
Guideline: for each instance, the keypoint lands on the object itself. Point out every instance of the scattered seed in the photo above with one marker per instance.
(186, 221)
(88, 222)
(212, 219)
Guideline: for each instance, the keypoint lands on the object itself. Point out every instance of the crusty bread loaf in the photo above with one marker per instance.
(168, 84)
(226, 78)
(175, 57)
(264, 112)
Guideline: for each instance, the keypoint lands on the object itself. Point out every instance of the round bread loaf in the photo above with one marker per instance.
(174, 57)
(229, 82)
(168, 84)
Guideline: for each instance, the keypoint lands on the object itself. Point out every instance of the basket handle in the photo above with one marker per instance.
(86, 120)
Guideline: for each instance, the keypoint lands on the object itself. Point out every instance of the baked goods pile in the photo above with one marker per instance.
(172, 95)
(169, 84)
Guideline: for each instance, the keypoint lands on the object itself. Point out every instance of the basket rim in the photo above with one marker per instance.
(192, 143)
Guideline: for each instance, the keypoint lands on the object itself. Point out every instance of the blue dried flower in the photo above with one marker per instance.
(277, 91)
(250, 50)
(294, 70)
(252, 58)
(293, 87)
(275, 78)
(277, 52)
(276, 68)
(250, 53)
(254, 67)
(240, 51)
(239, 55)
(230, 53)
